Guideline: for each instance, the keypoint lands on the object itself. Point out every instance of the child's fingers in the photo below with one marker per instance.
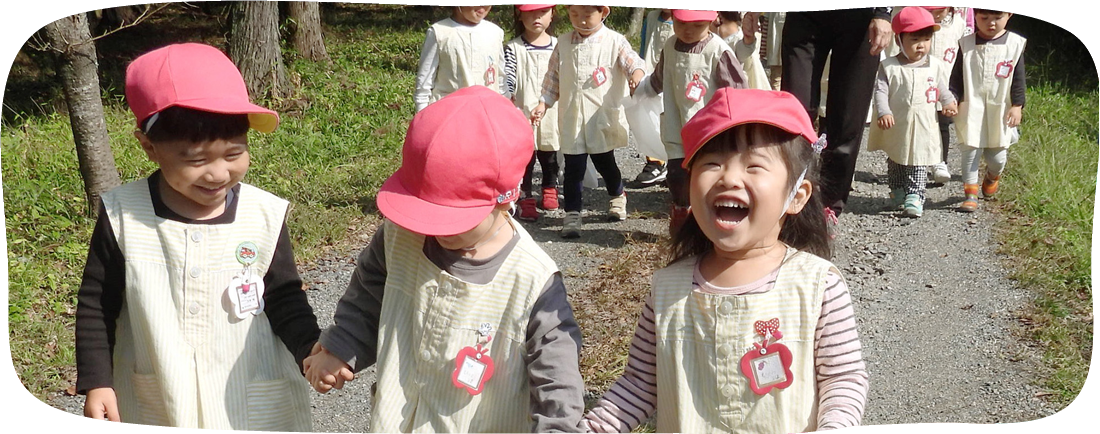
(346, 374)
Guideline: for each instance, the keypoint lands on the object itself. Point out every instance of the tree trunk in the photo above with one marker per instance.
(637, 15)
(79, 70)
(254, 47)
(305, 20)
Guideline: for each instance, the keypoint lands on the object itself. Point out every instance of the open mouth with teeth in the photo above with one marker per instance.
(730, 212)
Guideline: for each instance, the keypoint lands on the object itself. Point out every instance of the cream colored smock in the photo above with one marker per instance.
(531, 66)
(987, 81)
(590, 115)
(657, 33)
(428, 316)
(680, 71)
(749, 56)
(702, 337)
(467, 59)
(182, 358)
(914, 140)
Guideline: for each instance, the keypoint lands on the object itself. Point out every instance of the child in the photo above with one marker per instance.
(460, 51)
(592, 70)
(449, 271)
(656, 29)
(745, 274)
(907, 90)
(191, 312)
(945, 46)
(526, 59)
(988, 80)
(745, 41)
(694, 65)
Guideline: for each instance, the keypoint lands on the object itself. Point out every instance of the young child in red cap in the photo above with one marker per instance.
(463, 50)
(748, 328)
(592, 71)
(945, 46)
(691, 67)
(909, 90)
(191, 312)
(990, 83)
(526, 59)
(465, 316)
(728, 25)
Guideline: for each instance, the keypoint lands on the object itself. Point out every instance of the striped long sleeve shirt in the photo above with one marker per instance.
(841, 374)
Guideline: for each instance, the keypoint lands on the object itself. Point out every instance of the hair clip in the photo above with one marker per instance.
(819, 144)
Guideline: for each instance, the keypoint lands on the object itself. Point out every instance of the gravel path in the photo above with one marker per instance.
(936, 312)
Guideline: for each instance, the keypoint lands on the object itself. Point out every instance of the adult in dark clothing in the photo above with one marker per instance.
(855, 37)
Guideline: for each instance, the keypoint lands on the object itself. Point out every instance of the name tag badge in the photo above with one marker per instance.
(1004, 69)
(490, 76)
(246, 295)
(933, 94)
(472, 369)
(949, 55)
(695, 90)
(768, 365)
(599, 76)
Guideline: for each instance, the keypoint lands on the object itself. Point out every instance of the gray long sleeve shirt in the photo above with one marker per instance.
(553, 337)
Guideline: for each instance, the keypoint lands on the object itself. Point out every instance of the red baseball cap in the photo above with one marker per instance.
(195, 76)
(526, 6)
(913, 18)
(932, 4)
(731, 107)
(463, 155)
(694, 10)
(1007, 3)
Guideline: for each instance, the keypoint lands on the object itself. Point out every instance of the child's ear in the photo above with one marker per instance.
(146, 145)
(801, 197)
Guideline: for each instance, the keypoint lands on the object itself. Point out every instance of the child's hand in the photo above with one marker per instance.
(886, 122)
(325, 371)
(750, 24)
(951, 110)
(635, 78)
(1014, 115)
(536, 114)
(102, 403)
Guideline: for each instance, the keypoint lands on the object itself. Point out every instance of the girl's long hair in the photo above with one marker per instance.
(806, 230)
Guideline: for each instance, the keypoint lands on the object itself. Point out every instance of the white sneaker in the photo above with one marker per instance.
(940, 173)
(571, 227)
(616, 210)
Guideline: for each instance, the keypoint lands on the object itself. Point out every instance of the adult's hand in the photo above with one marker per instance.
(750, 23)
(879, 34)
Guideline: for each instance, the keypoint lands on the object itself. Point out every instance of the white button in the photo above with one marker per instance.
(194, 308)
(446, 286)
(724, 350)
(725, 308)
(195, 271)
(727, 391)
(196, 236)
(426, 355)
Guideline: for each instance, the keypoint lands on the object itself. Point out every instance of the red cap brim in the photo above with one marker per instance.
(402, 207)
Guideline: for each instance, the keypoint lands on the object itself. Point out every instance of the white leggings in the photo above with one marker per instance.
(995, 159)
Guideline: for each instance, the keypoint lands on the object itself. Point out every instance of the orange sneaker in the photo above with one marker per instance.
(990, 185)
(970, 204)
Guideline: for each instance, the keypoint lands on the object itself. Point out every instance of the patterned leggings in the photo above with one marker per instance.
(912, 179)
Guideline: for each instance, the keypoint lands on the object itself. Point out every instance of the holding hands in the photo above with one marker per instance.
(536, 114)
(325, 371)
(951, 110)
(635, 78)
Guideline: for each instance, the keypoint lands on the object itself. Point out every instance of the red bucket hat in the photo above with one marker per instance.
(463, 155)
(526, 6)
(913, 18)
(195, 76)
(694, 10)
(731, 107)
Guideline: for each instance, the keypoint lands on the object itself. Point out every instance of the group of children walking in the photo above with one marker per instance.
(190, 312)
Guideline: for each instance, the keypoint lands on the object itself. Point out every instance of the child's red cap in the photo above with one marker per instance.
(195, 76)
(933, 4)
(526, 6)
(913, 18)
(463, 155)
(1007, 3)
(694, 10)
(731, 107)
(730, 4)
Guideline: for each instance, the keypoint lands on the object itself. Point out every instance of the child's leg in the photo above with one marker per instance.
(678, 183)
(895, 179)
(915, 179)
(945, 134)
(607, 167)
(995, 159)
(548, 160)
(575, 166)
(970, 162)
(525, 186)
